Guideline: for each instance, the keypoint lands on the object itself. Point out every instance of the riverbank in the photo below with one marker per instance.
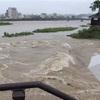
(90, 33)
(54, 29)
(45, 30)
(17, 34)
(22, 26)
(5, 23)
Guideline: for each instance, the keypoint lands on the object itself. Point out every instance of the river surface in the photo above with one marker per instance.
(31, 50)
(52, 58)
(20, 26)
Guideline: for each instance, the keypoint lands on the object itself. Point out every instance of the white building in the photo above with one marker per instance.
(2, 16)
(12, 13)
(43, 15)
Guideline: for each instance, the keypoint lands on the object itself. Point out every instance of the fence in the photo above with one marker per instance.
(18, 90)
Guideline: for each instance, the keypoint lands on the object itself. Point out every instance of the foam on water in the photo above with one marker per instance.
(0, 49)
(2, 78)
(90, 43)
(4, 56)
(18, 62)
(3, 67)
(5, 44)
(55, 63)
(66, 45)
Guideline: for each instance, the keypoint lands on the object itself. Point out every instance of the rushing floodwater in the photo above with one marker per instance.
(49, 58)
(31, 49)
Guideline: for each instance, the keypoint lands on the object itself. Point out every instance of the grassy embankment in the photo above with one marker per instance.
(17, 34)
(45, 30)
(56, 29)
(6, 34)
(87, 25)
(84, 25)
(5, 23)
(90, 33)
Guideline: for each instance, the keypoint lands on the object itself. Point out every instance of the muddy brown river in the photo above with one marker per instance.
(52, 58)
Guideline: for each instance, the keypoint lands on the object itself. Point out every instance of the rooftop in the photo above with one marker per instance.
(97, 15)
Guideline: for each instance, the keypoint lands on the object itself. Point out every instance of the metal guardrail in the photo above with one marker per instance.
(19, 90)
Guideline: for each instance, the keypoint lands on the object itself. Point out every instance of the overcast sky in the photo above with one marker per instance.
(47, 6)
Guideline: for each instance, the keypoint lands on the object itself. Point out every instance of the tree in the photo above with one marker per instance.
(95, 5)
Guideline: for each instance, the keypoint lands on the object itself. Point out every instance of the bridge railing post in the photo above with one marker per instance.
(18, 95)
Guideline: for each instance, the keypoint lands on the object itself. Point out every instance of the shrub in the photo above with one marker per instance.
(92, 32)
(56, 29)
(17, 34)
(5, 23)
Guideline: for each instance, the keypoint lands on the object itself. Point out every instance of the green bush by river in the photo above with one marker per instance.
(45, 30)
(84, 25)
(56, 29)
(17, 34)
(91, 33)
(5, 23)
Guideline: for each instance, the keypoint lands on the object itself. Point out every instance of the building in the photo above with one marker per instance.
(43, 15)
(2, 16)
(11, 13)
(54, 15)
(95, 19)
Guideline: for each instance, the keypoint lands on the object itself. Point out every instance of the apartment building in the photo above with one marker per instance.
(11, 13)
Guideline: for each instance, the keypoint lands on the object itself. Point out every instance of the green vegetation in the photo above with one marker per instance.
(17, 34)
(56, 29)
(95, 5)
(89, 24)
(91, 33)
(5, 23)
(84, 25)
